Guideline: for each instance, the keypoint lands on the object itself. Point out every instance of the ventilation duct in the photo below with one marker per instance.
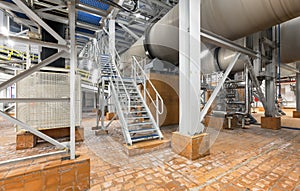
(231, 19)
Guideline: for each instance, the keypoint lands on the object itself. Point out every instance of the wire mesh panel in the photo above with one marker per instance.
(47, 115)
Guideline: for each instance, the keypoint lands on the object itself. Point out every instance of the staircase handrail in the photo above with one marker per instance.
(158, 98)
(122, 82)
(119, 76)
(119, 112)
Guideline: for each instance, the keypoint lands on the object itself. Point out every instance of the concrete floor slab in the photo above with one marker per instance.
(240, 159)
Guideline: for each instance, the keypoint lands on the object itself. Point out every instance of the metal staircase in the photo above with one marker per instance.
(136, 119)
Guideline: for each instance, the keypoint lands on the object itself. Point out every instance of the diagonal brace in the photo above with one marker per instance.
(32, 130)
(256, 83)
(40, 21)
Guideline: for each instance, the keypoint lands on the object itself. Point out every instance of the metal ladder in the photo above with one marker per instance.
(136, 119)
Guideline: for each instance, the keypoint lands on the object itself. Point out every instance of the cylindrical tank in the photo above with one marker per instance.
(231, 19)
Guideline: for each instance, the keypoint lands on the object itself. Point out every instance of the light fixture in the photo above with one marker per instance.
(4, 31)
(138, 15)
(11, 43)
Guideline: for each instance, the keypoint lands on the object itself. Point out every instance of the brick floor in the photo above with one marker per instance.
(240, 159)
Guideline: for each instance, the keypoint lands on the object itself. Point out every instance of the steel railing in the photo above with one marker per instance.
(138, 73)
(116, 66)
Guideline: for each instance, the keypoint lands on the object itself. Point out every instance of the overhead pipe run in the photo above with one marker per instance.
(230, 19)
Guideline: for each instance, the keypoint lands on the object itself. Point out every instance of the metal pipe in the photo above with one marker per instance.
(32, 157)
(32, 100)
(279, 62)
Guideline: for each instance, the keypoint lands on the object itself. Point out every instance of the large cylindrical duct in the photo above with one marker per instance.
(290, 41)
(231, 19)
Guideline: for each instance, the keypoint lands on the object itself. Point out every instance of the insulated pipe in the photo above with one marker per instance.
(290, 41)
(231, 19)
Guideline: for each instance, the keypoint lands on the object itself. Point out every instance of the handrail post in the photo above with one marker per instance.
(157, 114)
(144, 87)
(135, 72)
(132, 68)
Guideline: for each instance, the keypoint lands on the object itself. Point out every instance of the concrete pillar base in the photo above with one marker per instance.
(25, 140)
(101, 132)
(109, 116)
(296, 114)
(146, 147)
(191, 147)
(271, 123)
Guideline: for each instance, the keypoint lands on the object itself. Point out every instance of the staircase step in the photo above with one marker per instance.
(127, 87)
(130, 96)
(125, 83)
(140, 111)
(144, 138)
(139, 101)
(139, 124)
(142, 130)
(138, 117)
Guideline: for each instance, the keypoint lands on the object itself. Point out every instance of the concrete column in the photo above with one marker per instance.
(189, 67)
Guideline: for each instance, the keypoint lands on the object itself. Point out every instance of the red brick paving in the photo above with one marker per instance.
(241, 159)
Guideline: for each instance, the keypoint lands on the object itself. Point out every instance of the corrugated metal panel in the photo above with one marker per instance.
(47, 115)
(88, 18)
(84, 30)
(96, 4)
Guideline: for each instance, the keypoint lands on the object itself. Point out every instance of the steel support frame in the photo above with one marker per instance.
(212, 38)
(218, 88)
(63, 48)
(255, 82)
(38, 20)
(256, 47)
(20, 123)
(190, 67)
(270, 80)
(73, 63)
(112, 52)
